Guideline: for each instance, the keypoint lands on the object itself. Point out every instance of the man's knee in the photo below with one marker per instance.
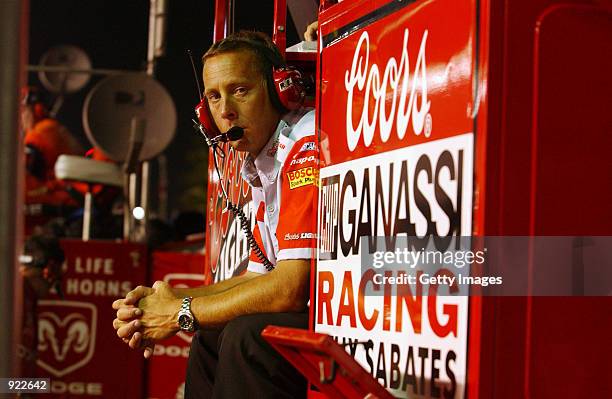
(241, 331)
(204, 344)
(244, 332)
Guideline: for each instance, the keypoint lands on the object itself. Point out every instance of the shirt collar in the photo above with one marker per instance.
(266, 165)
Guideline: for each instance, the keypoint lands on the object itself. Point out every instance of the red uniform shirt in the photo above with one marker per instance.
(283, 180)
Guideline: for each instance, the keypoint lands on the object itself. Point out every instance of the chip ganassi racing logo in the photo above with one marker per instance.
(66, 335)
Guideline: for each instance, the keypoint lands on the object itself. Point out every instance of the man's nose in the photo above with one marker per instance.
(228, 109)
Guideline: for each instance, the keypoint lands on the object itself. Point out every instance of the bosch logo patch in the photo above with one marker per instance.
(303, 177)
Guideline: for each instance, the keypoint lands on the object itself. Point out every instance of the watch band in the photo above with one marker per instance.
(186, 304)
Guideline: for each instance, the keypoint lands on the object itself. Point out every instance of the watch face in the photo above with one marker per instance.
(184, 321)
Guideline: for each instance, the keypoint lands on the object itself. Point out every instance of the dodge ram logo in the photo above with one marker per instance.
(66, 335)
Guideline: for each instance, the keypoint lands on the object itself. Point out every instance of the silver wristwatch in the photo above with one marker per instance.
(186, 321)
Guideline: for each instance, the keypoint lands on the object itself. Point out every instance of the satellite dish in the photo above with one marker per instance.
(112, 104)
(68, 57)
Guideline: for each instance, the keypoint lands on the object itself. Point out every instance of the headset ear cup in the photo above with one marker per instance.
(273, 94)
(289, 87)
(205, 118)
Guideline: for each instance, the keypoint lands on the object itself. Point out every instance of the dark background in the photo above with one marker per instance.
(114, 35)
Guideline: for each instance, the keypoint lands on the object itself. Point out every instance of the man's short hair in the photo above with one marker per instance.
(266, 53)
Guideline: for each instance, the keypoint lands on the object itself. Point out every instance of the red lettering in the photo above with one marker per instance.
(387, 303)
(367, 322)
(448, 310)
(347, 295)
(325, 298)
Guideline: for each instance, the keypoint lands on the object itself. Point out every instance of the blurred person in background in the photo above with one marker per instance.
(45, 140)
(41, 268)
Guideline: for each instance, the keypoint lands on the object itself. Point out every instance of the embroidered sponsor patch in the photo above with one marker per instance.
(309, 146)
(303, 177)
(300, 236)
(275, 147)
(285, 84)
(300, 161)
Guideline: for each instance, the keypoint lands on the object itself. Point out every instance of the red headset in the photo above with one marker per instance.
(289, 87)
(288, 95)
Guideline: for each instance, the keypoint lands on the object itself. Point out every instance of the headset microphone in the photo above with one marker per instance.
(235, 133)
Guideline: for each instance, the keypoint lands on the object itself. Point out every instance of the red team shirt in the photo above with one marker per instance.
(283, 180)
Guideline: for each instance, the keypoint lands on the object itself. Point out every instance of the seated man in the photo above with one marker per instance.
(228, 357)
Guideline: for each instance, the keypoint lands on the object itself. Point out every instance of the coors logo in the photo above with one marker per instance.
(365, 81)
(66, 335)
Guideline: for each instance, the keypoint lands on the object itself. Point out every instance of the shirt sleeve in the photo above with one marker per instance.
(297, 225)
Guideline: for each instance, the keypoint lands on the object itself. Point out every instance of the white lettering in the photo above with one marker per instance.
(86, 286)
(436, 280)
(402, 279)
(290, 237)
(76, 388)
(368, 77)
(94, 265)
(300, 161)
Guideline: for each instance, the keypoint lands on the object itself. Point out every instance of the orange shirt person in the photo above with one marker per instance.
(45, 140)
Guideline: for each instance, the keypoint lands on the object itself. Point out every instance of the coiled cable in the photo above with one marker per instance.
(244, 223)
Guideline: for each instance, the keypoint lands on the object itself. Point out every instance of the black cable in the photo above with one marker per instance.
(244, 223)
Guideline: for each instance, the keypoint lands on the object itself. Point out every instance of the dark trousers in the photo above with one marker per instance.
(237, 362)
